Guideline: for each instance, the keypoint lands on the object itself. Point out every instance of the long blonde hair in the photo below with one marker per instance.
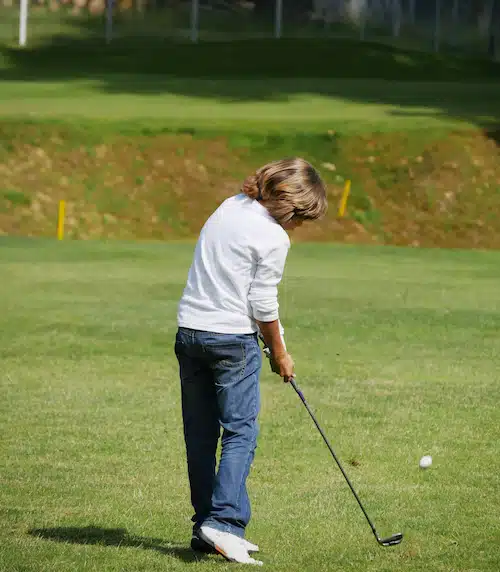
(288, 188)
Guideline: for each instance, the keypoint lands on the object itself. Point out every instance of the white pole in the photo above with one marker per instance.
(23, 21)
(109, 21)
(278, 18)
(195, 11)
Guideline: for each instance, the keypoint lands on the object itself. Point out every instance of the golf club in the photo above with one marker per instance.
(389, 541)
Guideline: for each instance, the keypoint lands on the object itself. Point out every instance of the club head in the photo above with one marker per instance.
(391, 540)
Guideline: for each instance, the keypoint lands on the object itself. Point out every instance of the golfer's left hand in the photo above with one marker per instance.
(283, 365)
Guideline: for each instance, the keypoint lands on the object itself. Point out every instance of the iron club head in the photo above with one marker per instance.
(391, 540)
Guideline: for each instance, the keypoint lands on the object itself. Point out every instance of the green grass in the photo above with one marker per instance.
(262, 85)
(15, 197)
(296, 105)
(397, 361)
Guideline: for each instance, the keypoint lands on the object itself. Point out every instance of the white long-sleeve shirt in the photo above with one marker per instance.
(238, 263)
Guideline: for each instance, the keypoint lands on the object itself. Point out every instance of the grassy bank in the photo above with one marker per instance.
(127, 181)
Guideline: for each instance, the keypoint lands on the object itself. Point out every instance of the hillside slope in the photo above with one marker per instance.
(426, 188)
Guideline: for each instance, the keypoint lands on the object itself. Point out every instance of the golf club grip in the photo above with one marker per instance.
(301, 395)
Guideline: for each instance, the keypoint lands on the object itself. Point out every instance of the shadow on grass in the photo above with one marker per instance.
(114, 537)
(263, 70)
(67, 56)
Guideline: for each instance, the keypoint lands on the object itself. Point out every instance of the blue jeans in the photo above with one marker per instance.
(220, 389)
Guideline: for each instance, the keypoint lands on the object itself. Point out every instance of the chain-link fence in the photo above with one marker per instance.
(464, 26)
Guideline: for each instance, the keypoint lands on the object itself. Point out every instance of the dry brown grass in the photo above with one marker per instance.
(421, 190)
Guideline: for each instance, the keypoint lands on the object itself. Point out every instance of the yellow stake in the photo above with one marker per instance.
(343, 200)
(60, 221)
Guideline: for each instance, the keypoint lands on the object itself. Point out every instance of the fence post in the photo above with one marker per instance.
(364, 16)
(396, 18)
(455, 14)
(278, 18)
(494, 19)
(412, 12)
(195, 11)
(109, 21)
(437, 28)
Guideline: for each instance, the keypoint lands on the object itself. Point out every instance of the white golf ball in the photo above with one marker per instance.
(425, 462)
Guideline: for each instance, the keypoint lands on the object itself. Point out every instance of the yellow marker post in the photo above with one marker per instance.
(60, 221)
(343, 200)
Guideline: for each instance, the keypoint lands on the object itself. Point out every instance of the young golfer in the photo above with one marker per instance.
(230, 298)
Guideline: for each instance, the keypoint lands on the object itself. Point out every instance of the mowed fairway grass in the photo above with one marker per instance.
(305, 105)
(397, 352)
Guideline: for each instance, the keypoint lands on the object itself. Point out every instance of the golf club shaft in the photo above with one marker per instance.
(301, 395)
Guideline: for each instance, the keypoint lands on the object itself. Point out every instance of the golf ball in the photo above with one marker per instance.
(425, 462)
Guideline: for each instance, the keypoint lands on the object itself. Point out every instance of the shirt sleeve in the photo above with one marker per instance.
(263, 293)
(282, 334)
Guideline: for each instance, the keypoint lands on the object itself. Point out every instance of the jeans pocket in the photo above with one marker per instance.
(231, 355)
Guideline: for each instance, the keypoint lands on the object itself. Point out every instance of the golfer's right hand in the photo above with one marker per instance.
(283, 365)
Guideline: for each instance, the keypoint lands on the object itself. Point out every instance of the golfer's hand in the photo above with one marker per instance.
(283, 365)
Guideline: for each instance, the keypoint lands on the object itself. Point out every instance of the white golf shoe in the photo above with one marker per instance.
(232, 547)
(249, 545)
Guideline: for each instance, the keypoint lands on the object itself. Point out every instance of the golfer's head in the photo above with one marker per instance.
(290, 189)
